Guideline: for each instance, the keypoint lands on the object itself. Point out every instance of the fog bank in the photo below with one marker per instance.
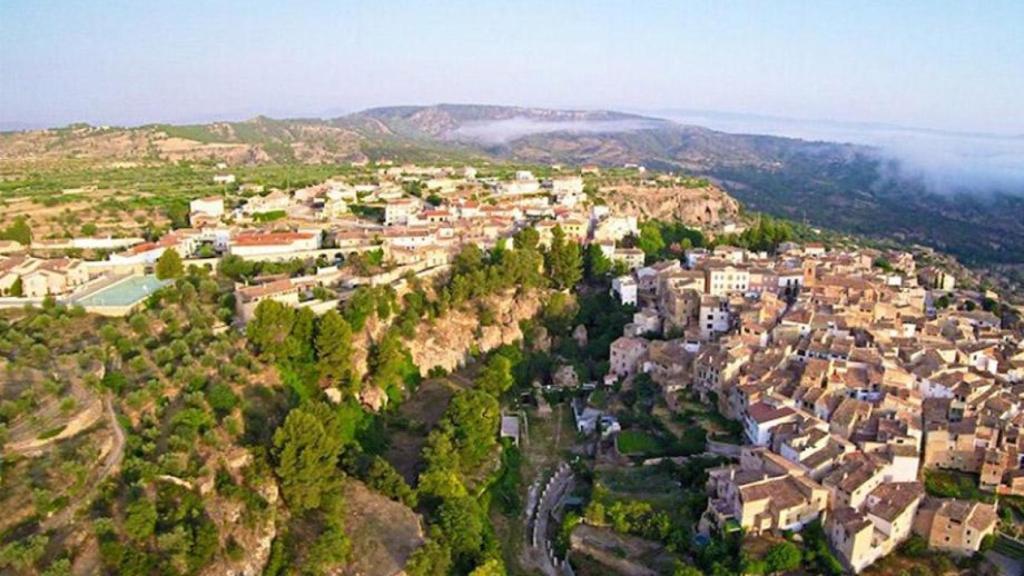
(946, 161)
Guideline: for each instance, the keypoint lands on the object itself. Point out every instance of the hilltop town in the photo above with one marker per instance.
(401, 218)
(533, 369)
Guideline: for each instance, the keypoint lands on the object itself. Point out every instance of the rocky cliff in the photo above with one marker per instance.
(448, 342)
(699, 207)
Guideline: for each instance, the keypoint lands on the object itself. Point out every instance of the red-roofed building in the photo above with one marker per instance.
(258, 244)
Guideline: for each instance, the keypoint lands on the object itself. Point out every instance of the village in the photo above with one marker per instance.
(853, 377)
(851, 372)
(412, 221)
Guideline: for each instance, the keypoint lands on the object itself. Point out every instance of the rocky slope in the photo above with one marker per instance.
(448, 342)
(699, 207)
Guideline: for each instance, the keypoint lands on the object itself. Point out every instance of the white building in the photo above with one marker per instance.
(625, 289)
(247, 298)
(41, 277)
(726, 279)
(715, 317)
(183, 242)
(615, 228)
(626, 355)
(398, 212)
(274, 202)
(209, 208)
(633, 258)
(762, 417)
(568, 191)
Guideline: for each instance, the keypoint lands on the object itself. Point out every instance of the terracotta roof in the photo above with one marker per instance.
(890, 500)
(249, 293)
(762, 412)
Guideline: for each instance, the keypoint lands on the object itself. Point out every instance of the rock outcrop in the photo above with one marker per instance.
(448, 342)
(384, 533)
(698, 207)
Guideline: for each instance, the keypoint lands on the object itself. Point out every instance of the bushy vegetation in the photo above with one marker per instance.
(764, 236)
(454, 486)
(953, 484)
(662, 240)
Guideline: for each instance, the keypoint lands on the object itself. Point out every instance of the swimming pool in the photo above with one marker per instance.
(127, 292)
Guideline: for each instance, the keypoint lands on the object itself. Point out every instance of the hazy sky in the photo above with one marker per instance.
(948, 65)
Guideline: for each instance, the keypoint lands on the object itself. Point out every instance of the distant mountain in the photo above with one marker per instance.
(6, 126)
(847, 187)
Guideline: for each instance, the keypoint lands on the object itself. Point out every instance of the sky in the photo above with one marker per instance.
(933, 64)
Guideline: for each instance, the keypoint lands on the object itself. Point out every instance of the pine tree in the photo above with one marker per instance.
(306, 447)
(565, 266)
(597, 264)
(270, 329)
(334, 349)
(169, 265)
(496, 377)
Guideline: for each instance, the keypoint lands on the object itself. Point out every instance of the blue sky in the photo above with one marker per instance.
(945, 65)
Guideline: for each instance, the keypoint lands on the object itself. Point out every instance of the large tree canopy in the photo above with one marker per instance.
(306, 447)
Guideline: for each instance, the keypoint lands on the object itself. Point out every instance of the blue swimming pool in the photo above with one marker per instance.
(127, 292)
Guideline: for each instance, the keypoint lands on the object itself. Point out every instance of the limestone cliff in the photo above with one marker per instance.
(448, 342)
(699, 207)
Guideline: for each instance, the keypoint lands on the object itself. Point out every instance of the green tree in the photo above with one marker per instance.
(169, 265)
(492, 567)
(473, 417)
(526, 239)
(468, 260)
(19, 231)
(221, 398)
(496, 377)
(306, 448)
(236, 268)
(462, 521)
(270, 328)
(382, 477)
(783, 557)
(359, 307)
(300, 339)
(330, 548)
(431, 559)
(440, 480)
(140, 519)
(390, 363)
(17, 288)
(334, 349)
(650, 240)
(597, 265)
(564, 263)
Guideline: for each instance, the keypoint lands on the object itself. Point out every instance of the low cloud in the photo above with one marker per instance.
(502, 131)
(946, 162)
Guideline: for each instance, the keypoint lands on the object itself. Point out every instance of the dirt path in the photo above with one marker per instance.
(111, 463)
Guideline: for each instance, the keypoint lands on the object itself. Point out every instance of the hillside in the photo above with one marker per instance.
(845, 187)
